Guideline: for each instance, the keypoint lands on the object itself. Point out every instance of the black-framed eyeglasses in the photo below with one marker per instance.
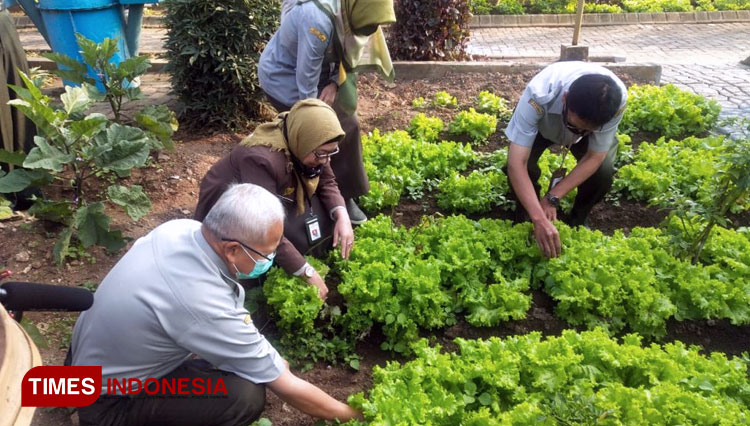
(327, 154)
(270, 257)
(573, 129)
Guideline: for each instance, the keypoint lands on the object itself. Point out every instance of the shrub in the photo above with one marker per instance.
(437, 30)
(732, 4)
(657, 5)
(669, 111)
(481, 7)
(546, 6)
(508, 7)
(213, 49)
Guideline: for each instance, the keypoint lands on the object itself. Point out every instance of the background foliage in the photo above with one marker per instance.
(436, 30)
(213, 49)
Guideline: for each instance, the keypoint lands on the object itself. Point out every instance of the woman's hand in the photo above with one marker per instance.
(343, 233)
(328, 94)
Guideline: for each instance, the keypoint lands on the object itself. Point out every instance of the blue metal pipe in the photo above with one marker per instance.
(133, 28)
(29, 6)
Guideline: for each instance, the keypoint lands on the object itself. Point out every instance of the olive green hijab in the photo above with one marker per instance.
(309, 124)
(358, 53)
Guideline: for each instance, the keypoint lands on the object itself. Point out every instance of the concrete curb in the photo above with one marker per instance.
(597, 19)
(23, 21)
(646, 73)
(157, 65)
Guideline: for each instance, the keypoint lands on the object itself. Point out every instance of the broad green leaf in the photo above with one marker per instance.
(60, 252)
(20, 179)
(75, 100)
(485, 398)
(160, 121)
(94, 54)
(5, 210)
(134, 94)
(92, 223)
(133, 200)
(89, 126)
(12, 158)
(93, 92)
(113, 241)
(130, 148)
(67, 61)
(53, 211)
(134, 66)
(46, 156)
(35, 106)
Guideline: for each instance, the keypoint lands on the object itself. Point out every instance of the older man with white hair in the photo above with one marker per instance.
(174, 296)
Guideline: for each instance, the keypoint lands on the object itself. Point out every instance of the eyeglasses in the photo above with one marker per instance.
(327, 154)
(573, 129)
(270, 257)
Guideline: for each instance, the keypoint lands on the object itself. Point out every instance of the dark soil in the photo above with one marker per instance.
(172, 183)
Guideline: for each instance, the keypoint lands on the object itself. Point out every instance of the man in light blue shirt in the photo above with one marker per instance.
(573, 104)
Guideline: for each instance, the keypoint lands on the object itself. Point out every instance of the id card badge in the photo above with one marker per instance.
(313, 229)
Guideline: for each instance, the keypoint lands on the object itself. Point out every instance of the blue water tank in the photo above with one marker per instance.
(94, 19)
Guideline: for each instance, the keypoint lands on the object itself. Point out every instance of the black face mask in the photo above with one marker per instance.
(305, 171)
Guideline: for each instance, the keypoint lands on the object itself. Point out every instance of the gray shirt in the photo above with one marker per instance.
(291, 64)
(167, 298)
(540, 108)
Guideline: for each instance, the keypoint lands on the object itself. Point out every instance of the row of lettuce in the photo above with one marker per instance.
(404, 283)
(520, 7)
(416, 162)
(427, 277)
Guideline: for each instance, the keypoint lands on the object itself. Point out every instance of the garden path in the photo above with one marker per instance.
(703, 58)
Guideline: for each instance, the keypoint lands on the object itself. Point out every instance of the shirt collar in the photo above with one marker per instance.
(209, 251)
(216, 260)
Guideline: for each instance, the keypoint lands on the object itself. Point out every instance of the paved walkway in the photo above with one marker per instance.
(703, 58)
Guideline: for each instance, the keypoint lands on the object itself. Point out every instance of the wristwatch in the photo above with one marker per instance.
(555, 201)
(309, 271)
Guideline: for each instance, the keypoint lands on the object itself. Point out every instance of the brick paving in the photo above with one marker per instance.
(703, 58)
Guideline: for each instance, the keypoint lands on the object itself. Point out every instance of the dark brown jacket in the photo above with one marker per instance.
(261, 166)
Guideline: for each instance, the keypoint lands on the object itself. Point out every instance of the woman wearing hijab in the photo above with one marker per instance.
(317, 52)
(290, 157)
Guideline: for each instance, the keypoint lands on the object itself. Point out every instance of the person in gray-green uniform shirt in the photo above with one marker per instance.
(174, 297)
(574, 104)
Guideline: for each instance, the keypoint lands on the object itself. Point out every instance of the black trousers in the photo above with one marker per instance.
(347, 165)
(590, 192)
(242, 405)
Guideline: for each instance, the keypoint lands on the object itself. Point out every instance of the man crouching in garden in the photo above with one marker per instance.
(173, 297)
(576, 105)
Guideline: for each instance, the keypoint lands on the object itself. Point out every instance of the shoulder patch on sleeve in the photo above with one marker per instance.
(248, 319)
(536, 107)
(316, 32)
